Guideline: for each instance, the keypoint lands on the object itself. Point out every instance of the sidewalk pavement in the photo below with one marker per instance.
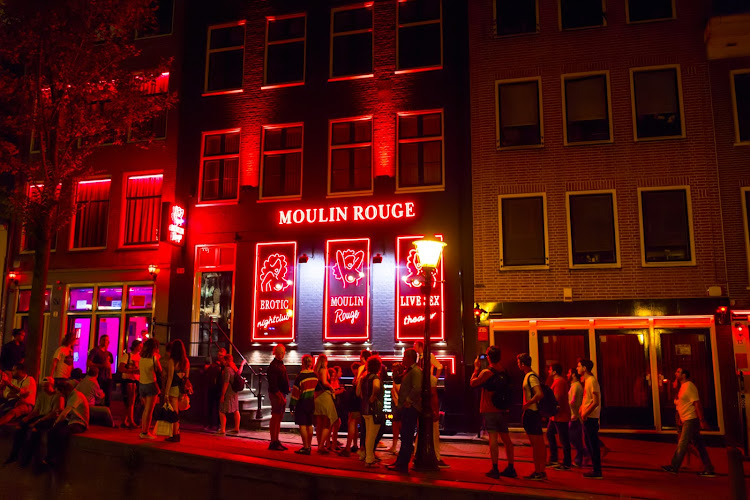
(631, 470)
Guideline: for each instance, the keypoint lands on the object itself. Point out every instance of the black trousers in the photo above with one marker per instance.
(591, 433)
(213, 396)
(561, 429)
(58, 438)
(106, 386)
(26, 440)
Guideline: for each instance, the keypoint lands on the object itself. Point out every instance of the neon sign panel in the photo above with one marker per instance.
(273, 309)
(176, 229)
(347, 290)
(354, 213)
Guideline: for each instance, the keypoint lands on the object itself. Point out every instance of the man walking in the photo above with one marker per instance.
(589, 411)
(690, 411)
(409, 404)
(558, 424)
(491, 380)
(278, 388)
(532, 420)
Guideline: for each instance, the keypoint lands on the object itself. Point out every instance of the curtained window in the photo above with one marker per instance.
(519, 115)
(143, 209)
(666, 226)
(657, 103)
(419, 39)
(420, 150)
(513, 17)
(221, 165)
(586, 109)
(285, 49)
(523, 233)
(562, 347)
(282, 161)
(351, 41)
(91, 216)
(351, 156)
(592, 229)
(225, 57)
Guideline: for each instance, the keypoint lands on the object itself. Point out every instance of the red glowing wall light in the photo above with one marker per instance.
(96, 181)
(448, 361)
(329, 274)
(289, 250)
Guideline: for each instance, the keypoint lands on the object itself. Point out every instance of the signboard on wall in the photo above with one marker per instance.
(410, 302)
(274, 304)
(347, 290)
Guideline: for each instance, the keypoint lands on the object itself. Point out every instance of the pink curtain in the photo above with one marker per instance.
(92, 211)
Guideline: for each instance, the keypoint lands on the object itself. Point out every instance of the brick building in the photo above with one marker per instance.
(597, 202)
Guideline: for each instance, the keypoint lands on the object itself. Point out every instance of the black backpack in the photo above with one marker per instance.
(548, 405)
(238, 383)
(500, 386)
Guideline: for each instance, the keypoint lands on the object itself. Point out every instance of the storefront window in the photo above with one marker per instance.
(562, 347)
(24, 301)
(110, 299)
(137, 328)
(140, 297)
(81, 299)
(81, 326)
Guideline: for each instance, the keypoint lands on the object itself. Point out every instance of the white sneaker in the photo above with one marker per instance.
(146, 436)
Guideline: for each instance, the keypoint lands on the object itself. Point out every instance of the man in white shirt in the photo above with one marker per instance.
(532, 420)
(691, 413)
(19, 395)
(436, 366)
(589, 414)
(575, 399)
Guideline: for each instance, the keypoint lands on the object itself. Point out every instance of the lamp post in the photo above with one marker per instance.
(429, 252)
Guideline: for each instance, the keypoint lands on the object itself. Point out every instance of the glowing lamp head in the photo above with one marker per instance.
(13, 276)
(429, 252)
(153, 270)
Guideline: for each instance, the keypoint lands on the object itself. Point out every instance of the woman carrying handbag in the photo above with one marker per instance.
(177, 370)
(148, 389)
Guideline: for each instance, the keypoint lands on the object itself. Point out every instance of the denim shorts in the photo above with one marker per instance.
(148, 390)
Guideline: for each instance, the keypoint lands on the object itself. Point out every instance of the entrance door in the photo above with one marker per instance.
(216, 304)
(110, 326)
(81, 325)
(511, 344)
(689, 349)
(564, 347)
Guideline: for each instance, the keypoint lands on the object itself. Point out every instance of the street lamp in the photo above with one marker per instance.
(429, 252)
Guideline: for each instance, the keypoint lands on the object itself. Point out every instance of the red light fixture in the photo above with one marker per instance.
(153, 270)
(13, 277)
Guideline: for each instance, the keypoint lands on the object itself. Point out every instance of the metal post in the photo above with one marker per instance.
(425, 459)
(259, 411)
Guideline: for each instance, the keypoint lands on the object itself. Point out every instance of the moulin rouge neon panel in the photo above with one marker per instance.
(409, 298)
(347, 290)
(275, 285)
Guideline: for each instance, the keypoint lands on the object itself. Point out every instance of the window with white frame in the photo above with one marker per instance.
(649, 10)
(220, 166)
(142, 209)
(519, 115)
(740, 80)
(576, 14)
(91, 217)
(225, 56)
(281, 172)
(513, 17)
(592, 229)
(657, 104)
(523, 231)
(351, 156)
(351, 41)
(666, 226)
(420, 38)
(285, 50)
(420, 150)
(587, 115)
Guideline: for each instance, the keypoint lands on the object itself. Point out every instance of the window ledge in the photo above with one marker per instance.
(516, 35)
(350, 77)
(669, 264)
(271, 199)
(350, 194)
(584, 27)
(656, 20)
(130, 248)
(281, 85)
(87, 249)
(742, 143)
(420, 189)
(217, 203)
(222, 92)
(588, 143)
(517, 148)
(417, 70)
(149, 37)
(660, 138)
(523, 268)
(596, 266)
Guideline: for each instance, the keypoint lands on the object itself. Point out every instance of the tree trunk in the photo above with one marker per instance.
(35, 334)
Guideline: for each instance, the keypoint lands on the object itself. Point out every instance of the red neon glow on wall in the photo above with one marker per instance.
(409, 299)
(447, 360)
(347, 290)
(177, 225)
(344, 213)
(274, 305)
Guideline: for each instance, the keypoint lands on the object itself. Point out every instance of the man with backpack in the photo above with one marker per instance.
(494, 405)
(532, 418)
(558, 423)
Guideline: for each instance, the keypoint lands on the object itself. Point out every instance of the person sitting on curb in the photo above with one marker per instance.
(74, 419)
(19, 395)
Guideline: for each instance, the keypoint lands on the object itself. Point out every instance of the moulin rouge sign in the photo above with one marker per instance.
(347, 290)
(273, 311)
(353, 213)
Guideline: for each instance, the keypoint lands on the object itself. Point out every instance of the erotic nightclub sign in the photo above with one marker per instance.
(273, 308)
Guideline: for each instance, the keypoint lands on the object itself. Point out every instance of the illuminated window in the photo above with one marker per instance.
(650, 10)
(225, 56)
(420, 38)
(110, 299)
(513, 17)
(285, 49)
(741, 96)
(81, 299)
(220, 164)
(140, 297)
(282, 161)
(28, 242)
(162, 22)
(666, 226)
(582, 14)
(519, 113)
(143, 209)
(24, 300)
(351, 156)
(593, 230)
(351, 41)
(156, 126)
(656, 102)
(587, 108)
(523, 231)
(420, 150)
(92, 213)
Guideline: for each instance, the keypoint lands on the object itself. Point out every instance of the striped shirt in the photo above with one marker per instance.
(304, 387)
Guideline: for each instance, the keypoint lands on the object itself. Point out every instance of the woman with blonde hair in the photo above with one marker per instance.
(325, 415)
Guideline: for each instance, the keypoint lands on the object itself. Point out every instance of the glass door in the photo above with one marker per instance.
(564, 347)
(137, 329)
(216, 303)
(110, 326)
(81, 326)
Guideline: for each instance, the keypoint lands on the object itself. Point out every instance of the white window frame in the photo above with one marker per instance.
(745, 221)
(210, 51)
(689, 205)
(737, 140)
(560, 23)
(574, 76)
(367, 5)
(676, 67)
(627, 15)
(417, 189)
(537, 79)
(537, 267)
(494, 21)
(420, 23)
(299, 150)
(331, 147)
(227, 201)
(615, 220)
(271, 19)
